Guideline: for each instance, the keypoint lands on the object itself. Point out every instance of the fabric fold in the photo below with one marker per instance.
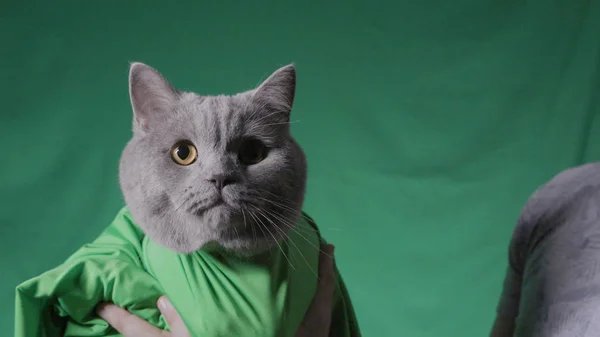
(216, 294)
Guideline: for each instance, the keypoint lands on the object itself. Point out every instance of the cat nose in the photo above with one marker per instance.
(221, 180)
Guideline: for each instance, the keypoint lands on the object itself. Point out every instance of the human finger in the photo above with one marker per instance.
(326, 269)
(317, 320)
(128, 324)
(177, 325)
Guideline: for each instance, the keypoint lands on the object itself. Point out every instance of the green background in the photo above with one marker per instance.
(426, 124)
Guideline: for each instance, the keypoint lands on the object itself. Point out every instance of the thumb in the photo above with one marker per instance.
(170, 314)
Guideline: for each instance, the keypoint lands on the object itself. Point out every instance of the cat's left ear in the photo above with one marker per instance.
(152, 96)
(277, 92)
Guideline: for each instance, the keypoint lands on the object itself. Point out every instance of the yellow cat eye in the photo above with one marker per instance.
(184, 153)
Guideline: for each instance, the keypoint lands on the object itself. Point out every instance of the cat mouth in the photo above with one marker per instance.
(248, 229)
(219, 202)
(215, 204)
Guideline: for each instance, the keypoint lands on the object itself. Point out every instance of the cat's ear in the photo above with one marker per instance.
(277, 92)
(152, 96)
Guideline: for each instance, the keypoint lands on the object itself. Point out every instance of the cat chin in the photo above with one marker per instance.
(243, 241)
(242, 247)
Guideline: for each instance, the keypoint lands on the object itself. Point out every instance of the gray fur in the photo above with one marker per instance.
(176, 206)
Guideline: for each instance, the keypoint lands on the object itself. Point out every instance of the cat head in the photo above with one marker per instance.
(213, 170)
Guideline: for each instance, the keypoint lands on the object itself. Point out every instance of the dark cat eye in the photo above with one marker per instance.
(252, 151)
(184, 153)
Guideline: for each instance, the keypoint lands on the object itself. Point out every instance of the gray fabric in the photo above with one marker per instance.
(552, 286)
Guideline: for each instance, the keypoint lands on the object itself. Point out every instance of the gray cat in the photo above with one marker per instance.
(213, 170)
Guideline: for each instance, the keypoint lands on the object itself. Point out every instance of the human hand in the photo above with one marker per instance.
(130, 325)
(316, 322)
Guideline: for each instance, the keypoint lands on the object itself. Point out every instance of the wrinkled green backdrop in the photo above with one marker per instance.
(426, 123)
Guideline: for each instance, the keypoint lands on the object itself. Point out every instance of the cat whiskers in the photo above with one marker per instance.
(256, 223)
(287, 204)
(289, 209)
(261, 225)
(284, 234)
(194, 207)
(243, 209)
(187, 197)
(289, 224)
(236, 232)
(282, 123)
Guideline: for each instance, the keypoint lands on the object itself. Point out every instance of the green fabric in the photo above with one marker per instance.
(216, 295)
(426, 124)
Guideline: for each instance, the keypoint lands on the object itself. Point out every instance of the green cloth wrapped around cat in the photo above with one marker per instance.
(215, 294)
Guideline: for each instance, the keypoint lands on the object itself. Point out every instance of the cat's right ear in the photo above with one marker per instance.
(152, 96)
(277, 92)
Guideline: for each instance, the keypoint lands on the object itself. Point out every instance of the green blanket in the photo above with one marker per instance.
(216, 295)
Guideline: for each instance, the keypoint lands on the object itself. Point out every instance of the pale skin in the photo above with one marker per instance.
(316, 323)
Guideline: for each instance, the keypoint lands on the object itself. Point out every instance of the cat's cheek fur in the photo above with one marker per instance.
(147, 200)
